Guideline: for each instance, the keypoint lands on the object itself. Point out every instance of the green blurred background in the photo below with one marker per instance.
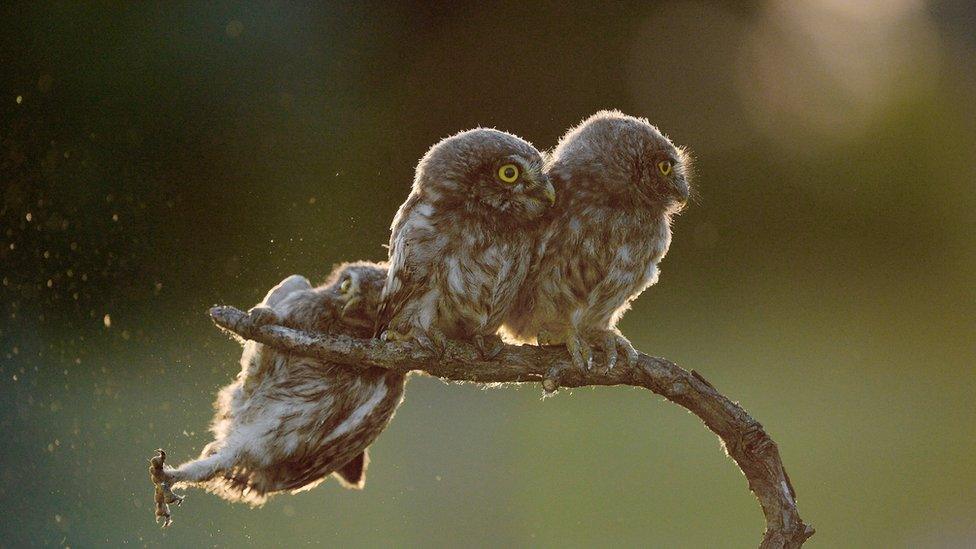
(160, 158)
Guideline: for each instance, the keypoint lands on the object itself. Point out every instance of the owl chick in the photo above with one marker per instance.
(620, 180)
(461, 244)
(288, 422)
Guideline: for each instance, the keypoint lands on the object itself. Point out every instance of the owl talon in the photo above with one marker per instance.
(433, 341)
(579, 352)
(625, 350)
(488, 346)
(630, 354)
(616, 349)
(608, 344)
(429, 346)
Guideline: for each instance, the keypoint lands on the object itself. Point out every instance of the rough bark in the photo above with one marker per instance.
(743, 437)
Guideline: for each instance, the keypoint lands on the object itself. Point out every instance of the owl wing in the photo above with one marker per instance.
(618, 278)
(408, 273)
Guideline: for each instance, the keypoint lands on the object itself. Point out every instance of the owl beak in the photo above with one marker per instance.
(548, 190)
(350, 304)
(681, 190)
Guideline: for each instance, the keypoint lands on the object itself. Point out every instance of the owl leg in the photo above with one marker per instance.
(488, 345)
(201, 470)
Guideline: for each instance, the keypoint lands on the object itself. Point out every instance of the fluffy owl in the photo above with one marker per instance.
(288, 422)
(620, 180)
(462, 243)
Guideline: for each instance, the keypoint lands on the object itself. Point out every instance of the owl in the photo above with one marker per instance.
(288, 422)
(620, 181)
(462, 243)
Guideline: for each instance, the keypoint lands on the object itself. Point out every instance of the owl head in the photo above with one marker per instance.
(355, 288)
(486, 172)
(624, 160)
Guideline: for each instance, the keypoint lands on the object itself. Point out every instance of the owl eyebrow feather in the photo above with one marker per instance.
(743, 438)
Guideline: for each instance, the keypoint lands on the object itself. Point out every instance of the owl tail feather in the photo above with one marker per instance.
(353, 474)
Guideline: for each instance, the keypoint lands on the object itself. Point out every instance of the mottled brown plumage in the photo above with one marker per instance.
(461, 244)
(288, 422)
(619, 182)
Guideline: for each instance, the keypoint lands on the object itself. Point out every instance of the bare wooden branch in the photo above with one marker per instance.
(744, 438)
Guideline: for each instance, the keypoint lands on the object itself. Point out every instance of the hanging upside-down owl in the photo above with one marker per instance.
(620, 180)
(288, 422)
(462, 242)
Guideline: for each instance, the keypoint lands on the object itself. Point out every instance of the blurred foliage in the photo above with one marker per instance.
(159, 158)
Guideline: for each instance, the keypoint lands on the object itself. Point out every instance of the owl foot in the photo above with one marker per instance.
(162, 481)
(488, 346)
(431, 342)
(262, 316)
(615, 346)
(579, 350)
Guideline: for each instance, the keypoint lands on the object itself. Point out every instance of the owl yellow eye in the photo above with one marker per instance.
(664, 167)
(346, 284)
(508, 173)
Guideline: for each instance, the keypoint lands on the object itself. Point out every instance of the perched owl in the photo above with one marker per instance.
(620, 181)
(288, 422)
(461, 244)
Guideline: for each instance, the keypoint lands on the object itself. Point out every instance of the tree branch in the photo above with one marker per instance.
(744, 438)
